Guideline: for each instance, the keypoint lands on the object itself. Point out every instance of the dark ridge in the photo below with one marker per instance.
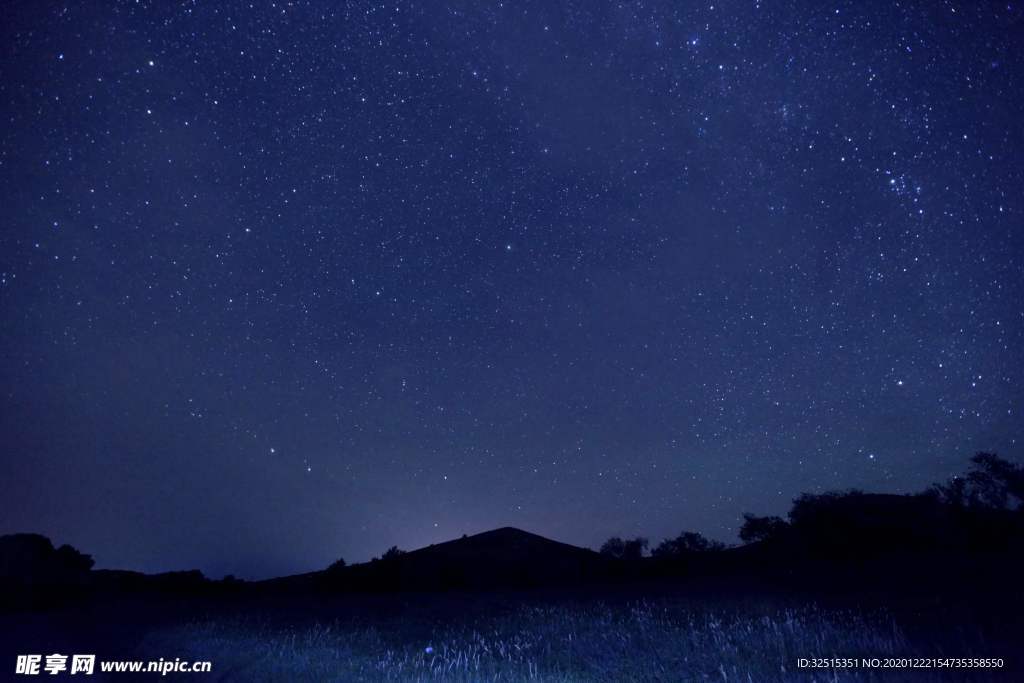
(501, 558)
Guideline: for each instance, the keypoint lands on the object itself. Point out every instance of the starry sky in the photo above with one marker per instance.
(282, 282)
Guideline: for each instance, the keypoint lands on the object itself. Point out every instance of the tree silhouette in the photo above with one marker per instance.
(337, 565)
(629, 549)
(810, 508)
(761, 528)
(71, 560)
(684, 544)
(392, 553)
(33, 559)
(992, 482)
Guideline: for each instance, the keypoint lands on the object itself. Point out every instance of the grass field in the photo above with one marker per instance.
(652, 640)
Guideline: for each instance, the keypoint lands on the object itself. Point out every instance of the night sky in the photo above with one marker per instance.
(283, 282)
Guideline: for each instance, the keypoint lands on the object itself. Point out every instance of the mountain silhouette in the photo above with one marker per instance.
(501, 558)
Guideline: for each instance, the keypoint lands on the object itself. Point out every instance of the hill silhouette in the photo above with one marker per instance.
(501, 558)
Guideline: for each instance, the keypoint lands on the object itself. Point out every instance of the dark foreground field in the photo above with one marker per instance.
(636, 634)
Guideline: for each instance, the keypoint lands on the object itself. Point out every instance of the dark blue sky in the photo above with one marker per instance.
(281, 282)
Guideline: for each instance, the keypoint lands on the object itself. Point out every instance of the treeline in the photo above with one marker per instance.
(981, 511)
